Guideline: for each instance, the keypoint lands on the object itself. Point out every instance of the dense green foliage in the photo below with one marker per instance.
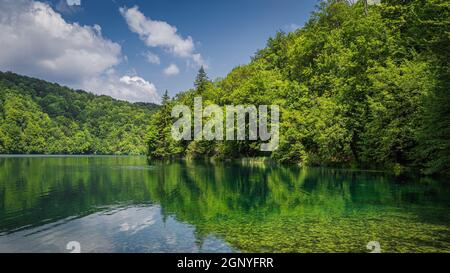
(37, 117)
(355, 88)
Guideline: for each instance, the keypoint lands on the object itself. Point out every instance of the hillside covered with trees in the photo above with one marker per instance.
(362, 86)
(37, 117)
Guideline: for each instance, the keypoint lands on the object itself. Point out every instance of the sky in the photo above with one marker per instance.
(134, 50)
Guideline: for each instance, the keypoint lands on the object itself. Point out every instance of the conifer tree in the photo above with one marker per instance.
(202, 80)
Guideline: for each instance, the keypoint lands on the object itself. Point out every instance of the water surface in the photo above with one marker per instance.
(123, 204)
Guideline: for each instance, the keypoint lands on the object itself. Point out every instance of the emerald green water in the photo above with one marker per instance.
(122, 204)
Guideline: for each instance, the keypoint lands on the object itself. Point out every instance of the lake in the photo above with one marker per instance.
(125, 204)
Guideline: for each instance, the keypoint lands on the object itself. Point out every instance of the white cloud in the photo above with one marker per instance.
(172, 70)
(130, 88)
(68, 6)
(198, 59)
(161, 34)
(74, 2)
(152, 58)
(36, 41)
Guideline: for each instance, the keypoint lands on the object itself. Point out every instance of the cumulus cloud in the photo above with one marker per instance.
(172, 70)
(36, 41)
(161, 34)
(68, 6)
(152, 58)
(74, 2)
(130, 88)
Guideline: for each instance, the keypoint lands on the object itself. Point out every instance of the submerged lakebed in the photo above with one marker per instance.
(123, 204)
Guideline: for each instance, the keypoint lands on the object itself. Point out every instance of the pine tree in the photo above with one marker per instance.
(165, 98)
(201, 81)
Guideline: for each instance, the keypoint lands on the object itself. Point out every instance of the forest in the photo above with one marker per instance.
(361, 86)
(38, 117)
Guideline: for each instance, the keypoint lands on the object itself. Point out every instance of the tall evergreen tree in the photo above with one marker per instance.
(165, 98)
(202, 81)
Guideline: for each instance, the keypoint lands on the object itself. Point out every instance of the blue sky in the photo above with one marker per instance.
(219, 34)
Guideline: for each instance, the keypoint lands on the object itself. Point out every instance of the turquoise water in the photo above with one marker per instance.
(123, 204)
